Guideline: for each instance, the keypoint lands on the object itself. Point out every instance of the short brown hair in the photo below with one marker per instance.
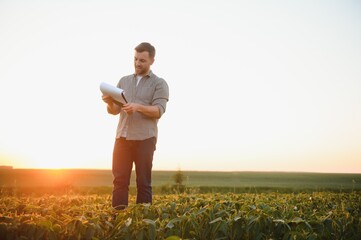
(144, 46)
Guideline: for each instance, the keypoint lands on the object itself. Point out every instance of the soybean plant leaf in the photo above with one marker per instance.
(109, 224)
(67, 217)
(140, 234)
(149, 221)
(221, 213)
(128, 222)
(46, 224)
(171, 222)
(297, 220)
(253, 207)
(253, 219)
(308, 225)
(170, 225)
(90, 232)
(202, 210)
(172, 206)
(279, 221)
(313, 236)
(236, 218)
(216, 220)
(173, 238)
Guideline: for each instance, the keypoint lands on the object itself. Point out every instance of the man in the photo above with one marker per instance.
(147, 96)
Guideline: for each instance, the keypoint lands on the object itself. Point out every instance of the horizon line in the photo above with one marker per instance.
(183, 170)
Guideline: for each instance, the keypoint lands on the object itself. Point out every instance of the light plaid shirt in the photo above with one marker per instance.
(150, 91)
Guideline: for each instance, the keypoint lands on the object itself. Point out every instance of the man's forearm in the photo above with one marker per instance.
(113, 108)
(149, 111)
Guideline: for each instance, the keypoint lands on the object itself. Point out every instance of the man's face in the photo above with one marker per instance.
(142, 62)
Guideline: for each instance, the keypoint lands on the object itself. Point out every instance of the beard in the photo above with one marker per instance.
(141, 71)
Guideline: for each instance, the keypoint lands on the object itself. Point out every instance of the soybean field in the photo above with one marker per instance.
(184, 216)
(76, 204)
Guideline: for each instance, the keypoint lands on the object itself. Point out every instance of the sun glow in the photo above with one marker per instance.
(266, 86)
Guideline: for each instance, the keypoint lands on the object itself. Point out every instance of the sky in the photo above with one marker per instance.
(254, 85)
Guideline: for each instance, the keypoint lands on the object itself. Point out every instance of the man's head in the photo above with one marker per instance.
(143, 58)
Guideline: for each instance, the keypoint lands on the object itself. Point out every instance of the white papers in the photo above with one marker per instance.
(116, 93)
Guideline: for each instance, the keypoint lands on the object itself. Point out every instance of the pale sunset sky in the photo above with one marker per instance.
(254, 85)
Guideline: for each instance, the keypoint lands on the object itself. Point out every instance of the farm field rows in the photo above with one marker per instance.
(318, 215)
(292, 181)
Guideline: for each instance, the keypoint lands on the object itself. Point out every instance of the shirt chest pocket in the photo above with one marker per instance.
(146, 94)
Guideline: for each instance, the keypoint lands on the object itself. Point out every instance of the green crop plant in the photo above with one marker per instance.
(318, 215)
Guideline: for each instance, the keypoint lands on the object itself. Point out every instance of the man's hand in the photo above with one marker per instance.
(111, 107)
(149, 111)
(107, 99)
(130, 108)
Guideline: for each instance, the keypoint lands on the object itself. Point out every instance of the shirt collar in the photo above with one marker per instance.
(150, 74)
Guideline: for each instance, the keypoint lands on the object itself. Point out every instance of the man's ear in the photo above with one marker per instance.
(152, 61)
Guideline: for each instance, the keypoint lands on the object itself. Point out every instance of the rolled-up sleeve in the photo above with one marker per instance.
(161, 96)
